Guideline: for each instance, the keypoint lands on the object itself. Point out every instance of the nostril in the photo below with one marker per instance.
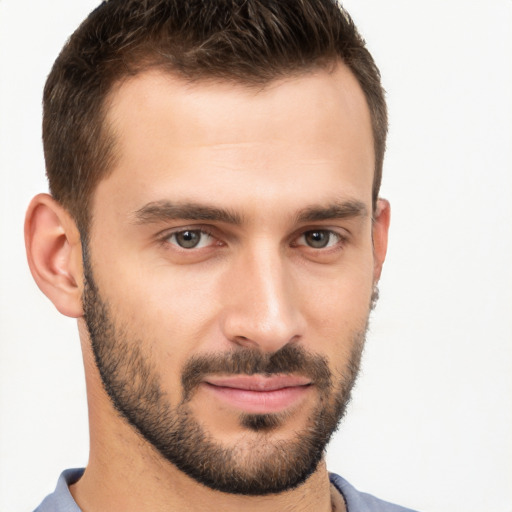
(242, 341)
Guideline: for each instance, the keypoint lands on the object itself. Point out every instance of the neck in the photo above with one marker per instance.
(132, 481)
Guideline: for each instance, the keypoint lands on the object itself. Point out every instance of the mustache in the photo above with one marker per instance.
(290, 359)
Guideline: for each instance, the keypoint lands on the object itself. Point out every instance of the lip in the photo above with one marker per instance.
(258, 394)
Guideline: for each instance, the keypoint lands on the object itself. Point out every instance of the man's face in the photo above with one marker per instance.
(230, 269)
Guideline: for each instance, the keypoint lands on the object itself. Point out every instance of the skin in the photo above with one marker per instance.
(268, 156)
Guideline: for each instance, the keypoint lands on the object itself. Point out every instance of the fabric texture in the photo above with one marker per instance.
(62, 501)
(360, 501)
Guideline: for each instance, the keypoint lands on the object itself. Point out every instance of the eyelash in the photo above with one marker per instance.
(339, 241)
(166, 238)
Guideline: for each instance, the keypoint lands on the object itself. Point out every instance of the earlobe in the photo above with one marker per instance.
(380, 236)
(54, 255)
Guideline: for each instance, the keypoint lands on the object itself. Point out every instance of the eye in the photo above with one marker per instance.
(319, 238)
(190, 239)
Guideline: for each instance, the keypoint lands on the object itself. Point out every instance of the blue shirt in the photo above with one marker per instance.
(62, 501)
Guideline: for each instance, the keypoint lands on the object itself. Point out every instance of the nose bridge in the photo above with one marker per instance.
(263, 310)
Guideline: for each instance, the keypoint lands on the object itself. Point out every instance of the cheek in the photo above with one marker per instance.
(337, 308)
(170, 309)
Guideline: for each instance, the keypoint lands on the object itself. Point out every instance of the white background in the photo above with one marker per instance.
(430, 425)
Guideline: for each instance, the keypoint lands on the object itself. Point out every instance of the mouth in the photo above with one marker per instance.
(258, 394)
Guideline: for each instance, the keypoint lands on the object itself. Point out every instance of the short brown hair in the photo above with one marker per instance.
(247, 41)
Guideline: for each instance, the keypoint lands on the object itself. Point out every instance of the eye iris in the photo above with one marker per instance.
(187, 239)
(317, 239)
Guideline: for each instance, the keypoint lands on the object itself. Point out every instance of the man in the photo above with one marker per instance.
(216, 229)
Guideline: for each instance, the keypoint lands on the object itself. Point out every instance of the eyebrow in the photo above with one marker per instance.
(159, 211)
(337, 210)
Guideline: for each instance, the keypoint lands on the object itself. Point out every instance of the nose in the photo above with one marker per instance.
(262, 308)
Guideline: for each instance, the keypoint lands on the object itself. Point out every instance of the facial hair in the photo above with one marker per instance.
(259, 466)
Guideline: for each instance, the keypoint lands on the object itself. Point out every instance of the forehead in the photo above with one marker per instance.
(218, 138)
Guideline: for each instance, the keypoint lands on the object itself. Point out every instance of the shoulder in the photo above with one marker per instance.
(361, 502)
(61, 500)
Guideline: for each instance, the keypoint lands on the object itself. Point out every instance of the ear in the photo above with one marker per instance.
(54, 254)
(380, 236)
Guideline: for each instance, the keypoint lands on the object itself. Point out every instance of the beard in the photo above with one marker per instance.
(258, 465)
